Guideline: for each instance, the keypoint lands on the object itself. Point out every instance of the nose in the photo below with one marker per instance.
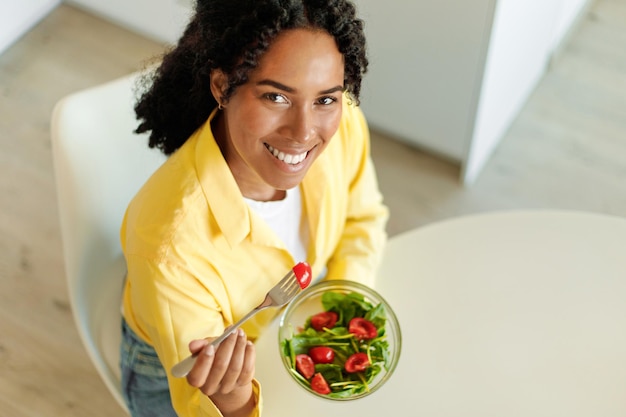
(301, 124)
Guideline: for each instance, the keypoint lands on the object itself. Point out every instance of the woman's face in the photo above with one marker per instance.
(275, 125)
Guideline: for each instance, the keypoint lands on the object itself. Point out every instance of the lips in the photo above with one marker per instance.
(291, 159)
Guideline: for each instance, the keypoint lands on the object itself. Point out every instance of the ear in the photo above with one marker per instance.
(219, 83)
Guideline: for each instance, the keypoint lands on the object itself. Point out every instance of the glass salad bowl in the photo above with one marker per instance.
(339, 340)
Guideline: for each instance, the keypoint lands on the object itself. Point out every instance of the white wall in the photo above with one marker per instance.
(161, 20)
(451, 76)
(18, 16)
(523, 38)
(426, 58)
(518, 54)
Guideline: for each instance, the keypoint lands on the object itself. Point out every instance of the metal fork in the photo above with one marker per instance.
(279, 295)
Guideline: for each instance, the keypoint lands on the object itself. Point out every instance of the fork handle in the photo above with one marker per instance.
(182, 368)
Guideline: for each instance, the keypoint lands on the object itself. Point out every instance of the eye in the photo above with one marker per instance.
(275, 98)
(327, 100)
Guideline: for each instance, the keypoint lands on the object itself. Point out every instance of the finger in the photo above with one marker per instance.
(220, 364)
(247, 370)
(229, 381)
(198, 375)
(195, 346)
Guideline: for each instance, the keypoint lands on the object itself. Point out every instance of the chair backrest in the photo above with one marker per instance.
(99, 165)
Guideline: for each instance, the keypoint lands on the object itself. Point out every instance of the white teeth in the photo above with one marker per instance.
(287, 158)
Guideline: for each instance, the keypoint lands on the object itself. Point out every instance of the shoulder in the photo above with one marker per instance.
(164, 208)
(353, 124)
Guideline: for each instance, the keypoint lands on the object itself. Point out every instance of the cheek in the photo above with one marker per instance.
(329, 125)
(253, 124)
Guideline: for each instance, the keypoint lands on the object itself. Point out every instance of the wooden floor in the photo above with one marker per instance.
(567, 149)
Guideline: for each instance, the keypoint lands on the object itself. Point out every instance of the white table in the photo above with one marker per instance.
(502, 314)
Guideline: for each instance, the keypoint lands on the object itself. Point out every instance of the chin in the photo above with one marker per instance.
(286, 184)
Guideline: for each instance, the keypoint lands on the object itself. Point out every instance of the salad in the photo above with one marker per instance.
(340, 350)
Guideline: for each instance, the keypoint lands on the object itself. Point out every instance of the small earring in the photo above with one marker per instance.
(219, 106)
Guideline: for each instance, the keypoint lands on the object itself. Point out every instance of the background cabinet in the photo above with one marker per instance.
(450, 76)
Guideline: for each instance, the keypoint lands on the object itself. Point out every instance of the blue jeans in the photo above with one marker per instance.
(144, 380)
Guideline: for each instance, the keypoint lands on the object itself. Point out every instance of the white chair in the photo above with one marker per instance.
(99, 165)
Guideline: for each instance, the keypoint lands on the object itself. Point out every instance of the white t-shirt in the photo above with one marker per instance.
(284, 218)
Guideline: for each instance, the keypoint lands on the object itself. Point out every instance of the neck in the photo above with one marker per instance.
(276, 195)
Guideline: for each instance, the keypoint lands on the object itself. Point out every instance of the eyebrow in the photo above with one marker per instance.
(288, 89)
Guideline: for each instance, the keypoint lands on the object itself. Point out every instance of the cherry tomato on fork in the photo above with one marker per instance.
(326, 319)
(303, 273)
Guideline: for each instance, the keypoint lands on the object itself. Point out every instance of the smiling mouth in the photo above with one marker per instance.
(285, 157)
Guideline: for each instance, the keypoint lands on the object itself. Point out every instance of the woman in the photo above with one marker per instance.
(269, 166)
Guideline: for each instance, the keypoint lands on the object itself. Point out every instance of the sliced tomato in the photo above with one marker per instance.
(305, 365)
(319, 384)
(362, 328)
(326, 319)
(357, 362)
(322, 354)
(303, 274)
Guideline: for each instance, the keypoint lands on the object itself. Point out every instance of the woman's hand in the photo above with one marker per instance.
(225, 373)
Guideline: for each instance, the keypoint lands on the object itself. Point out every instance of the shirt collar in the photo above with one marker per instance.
(220, 188)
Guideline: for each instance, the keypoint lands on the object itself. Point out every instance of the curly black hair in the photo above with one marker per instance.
(232, 35)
